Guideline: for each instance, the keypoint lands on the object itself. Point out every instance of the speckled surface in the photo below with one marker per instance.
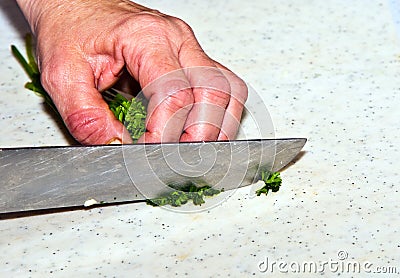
(328, 71)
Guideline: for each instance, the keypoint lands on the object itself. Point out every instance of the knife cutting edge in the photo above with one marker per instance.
(36, 178)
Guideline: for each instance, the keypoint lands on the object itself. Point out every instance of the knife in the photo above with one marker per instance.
(36, 178)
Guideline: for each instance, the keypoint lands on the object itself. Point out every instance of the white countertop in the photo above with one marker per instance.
(327, 70)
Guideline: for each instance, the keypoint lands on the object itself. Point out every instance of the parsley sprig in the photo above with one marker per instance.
(186, 193)
(131, 113)
(135, 119)
(120, 107)
(31, 68)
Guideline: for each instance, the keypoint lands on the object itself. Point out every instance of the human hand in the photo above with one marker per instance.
(83, 47)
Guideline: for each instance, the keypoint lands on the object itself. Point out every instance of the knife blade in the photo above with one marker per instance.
(36, 178)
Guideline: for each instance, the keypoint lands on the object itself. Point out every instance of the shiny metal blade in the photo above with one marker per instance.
(55, 177)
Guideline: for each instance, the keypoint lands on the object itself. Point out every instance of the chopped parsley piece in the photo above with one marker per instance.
(186, 193)
(272, 182)
(135, 119)
(120, 107)
(131, 113)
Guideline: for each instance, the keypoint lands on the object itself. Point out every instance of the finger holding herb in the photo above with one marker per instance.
(132, 113)
(83, 53)
(91, 120)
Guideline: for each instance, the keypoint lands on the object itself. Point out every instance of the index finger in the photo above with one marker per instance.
(168, 92)
(170, 100)
(212, 94)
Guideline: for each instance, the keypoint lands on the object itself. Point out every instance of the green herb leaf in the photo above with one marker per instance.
(272, 182)
(31, 54)
(120, 107)
(32, 70)
(135, 119)
(184, 194)
(131, 113)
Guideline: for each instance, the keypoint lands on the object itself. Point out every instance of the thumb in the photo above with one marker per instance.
(91, 122)
(81, 106)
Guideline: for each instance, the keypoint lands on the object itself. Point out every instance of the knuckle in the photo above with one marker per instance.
(152, 22)
(151, 18)
(217, 90)
(220, 83)
(50, 75)
(141, 26)
(180, 100)
(217, 97)
(182, 25)
(240, 90)
(161, 24)
(153, 29)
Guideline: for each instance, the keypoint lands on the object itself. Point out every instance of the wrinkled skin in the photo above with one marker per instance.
(83, 47)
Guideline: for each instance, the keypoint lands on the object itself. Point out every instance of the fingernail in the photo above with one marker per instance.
(115, 141)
